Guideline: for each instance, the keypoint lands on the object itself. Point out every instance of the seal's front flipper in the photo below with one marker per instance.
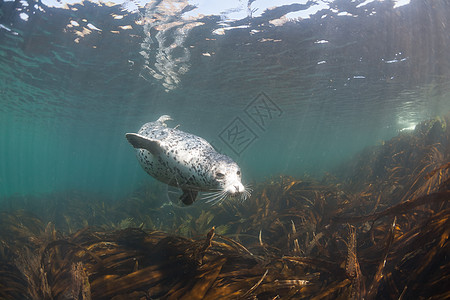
(141, 142)
(188, 196)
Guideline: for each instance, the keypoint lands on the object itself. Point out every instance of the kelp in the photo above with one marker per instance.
(377, 228)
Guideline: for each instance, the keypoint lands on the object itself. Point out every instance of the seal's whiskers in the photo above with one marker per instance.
(216, 197)
(212, 192)
(212, 195)
(247, 192)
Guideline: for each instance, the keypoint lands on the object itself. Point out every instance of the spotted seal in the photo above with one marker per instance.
(186, 161)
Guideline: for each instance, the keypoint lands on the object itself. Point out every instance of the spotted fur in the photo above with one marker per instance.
(185, 161)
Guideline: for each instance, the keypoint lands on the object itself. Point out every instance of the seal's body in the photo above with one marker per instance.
(186, 161)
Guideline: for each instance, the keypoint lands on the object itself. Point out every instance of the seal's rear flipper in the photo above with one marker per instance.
(188, 196)
(142, 142)
(163, 119)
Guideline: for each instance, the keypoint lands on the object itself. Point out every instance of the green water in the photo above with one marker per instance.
(339, 83)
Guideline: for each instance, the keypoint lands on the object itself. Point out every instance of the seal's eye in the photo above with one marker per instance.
(220, 175)
(238, 173)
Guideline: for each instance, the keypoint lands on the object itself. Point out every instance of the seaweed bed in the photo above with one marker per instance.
(378, 228)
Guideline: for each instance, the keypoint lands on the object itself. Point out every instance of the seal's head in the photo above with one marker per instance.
(226, 178)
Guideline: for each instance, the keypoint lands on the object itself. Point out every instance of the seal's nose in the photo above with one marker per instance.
(236, 188)
(239, 188)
